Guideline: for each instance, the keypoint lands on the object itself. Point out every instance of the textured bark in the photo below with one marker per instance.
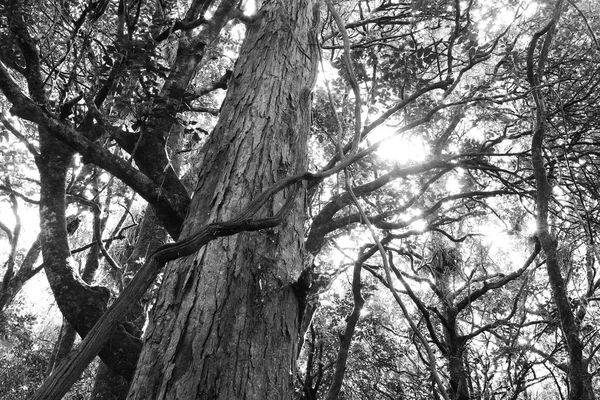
(109, 385)
(225, 325)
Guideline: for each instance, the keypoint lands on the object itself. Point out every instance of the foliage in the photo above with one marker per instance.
(429, 106)
(23, 357)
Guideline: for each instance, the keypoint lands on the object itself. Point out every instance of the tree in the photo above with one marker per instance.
(287, 156)
(262, 202)
(236, 329)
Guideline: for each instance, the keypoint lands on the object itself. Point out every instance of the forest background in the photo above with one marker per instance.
(350, 199)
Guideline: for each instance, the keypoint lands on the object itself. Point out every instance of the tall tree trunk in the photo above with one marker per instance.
(225, 325)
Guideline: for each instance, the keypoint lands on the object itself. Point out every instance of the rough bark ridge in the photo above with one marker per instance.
(226, 325)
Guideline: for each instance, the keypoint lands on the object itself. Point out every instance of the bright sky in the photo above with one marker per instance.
(403, 149)
(249, 7)
(496, 15)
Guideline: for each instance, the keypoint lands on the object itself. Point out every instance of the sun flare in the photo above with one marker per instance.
(402, 149)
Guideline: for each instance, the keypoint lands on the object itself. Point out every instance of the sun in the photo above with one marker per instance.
(401, 149)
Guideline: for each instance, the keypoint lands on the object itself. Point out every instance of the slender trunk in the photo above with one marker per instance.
(455, 347)
(454, 344)
(81, 304)
(62, 347)
(108, 385)
(346, 338)
(547, 239)
(225, 325)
